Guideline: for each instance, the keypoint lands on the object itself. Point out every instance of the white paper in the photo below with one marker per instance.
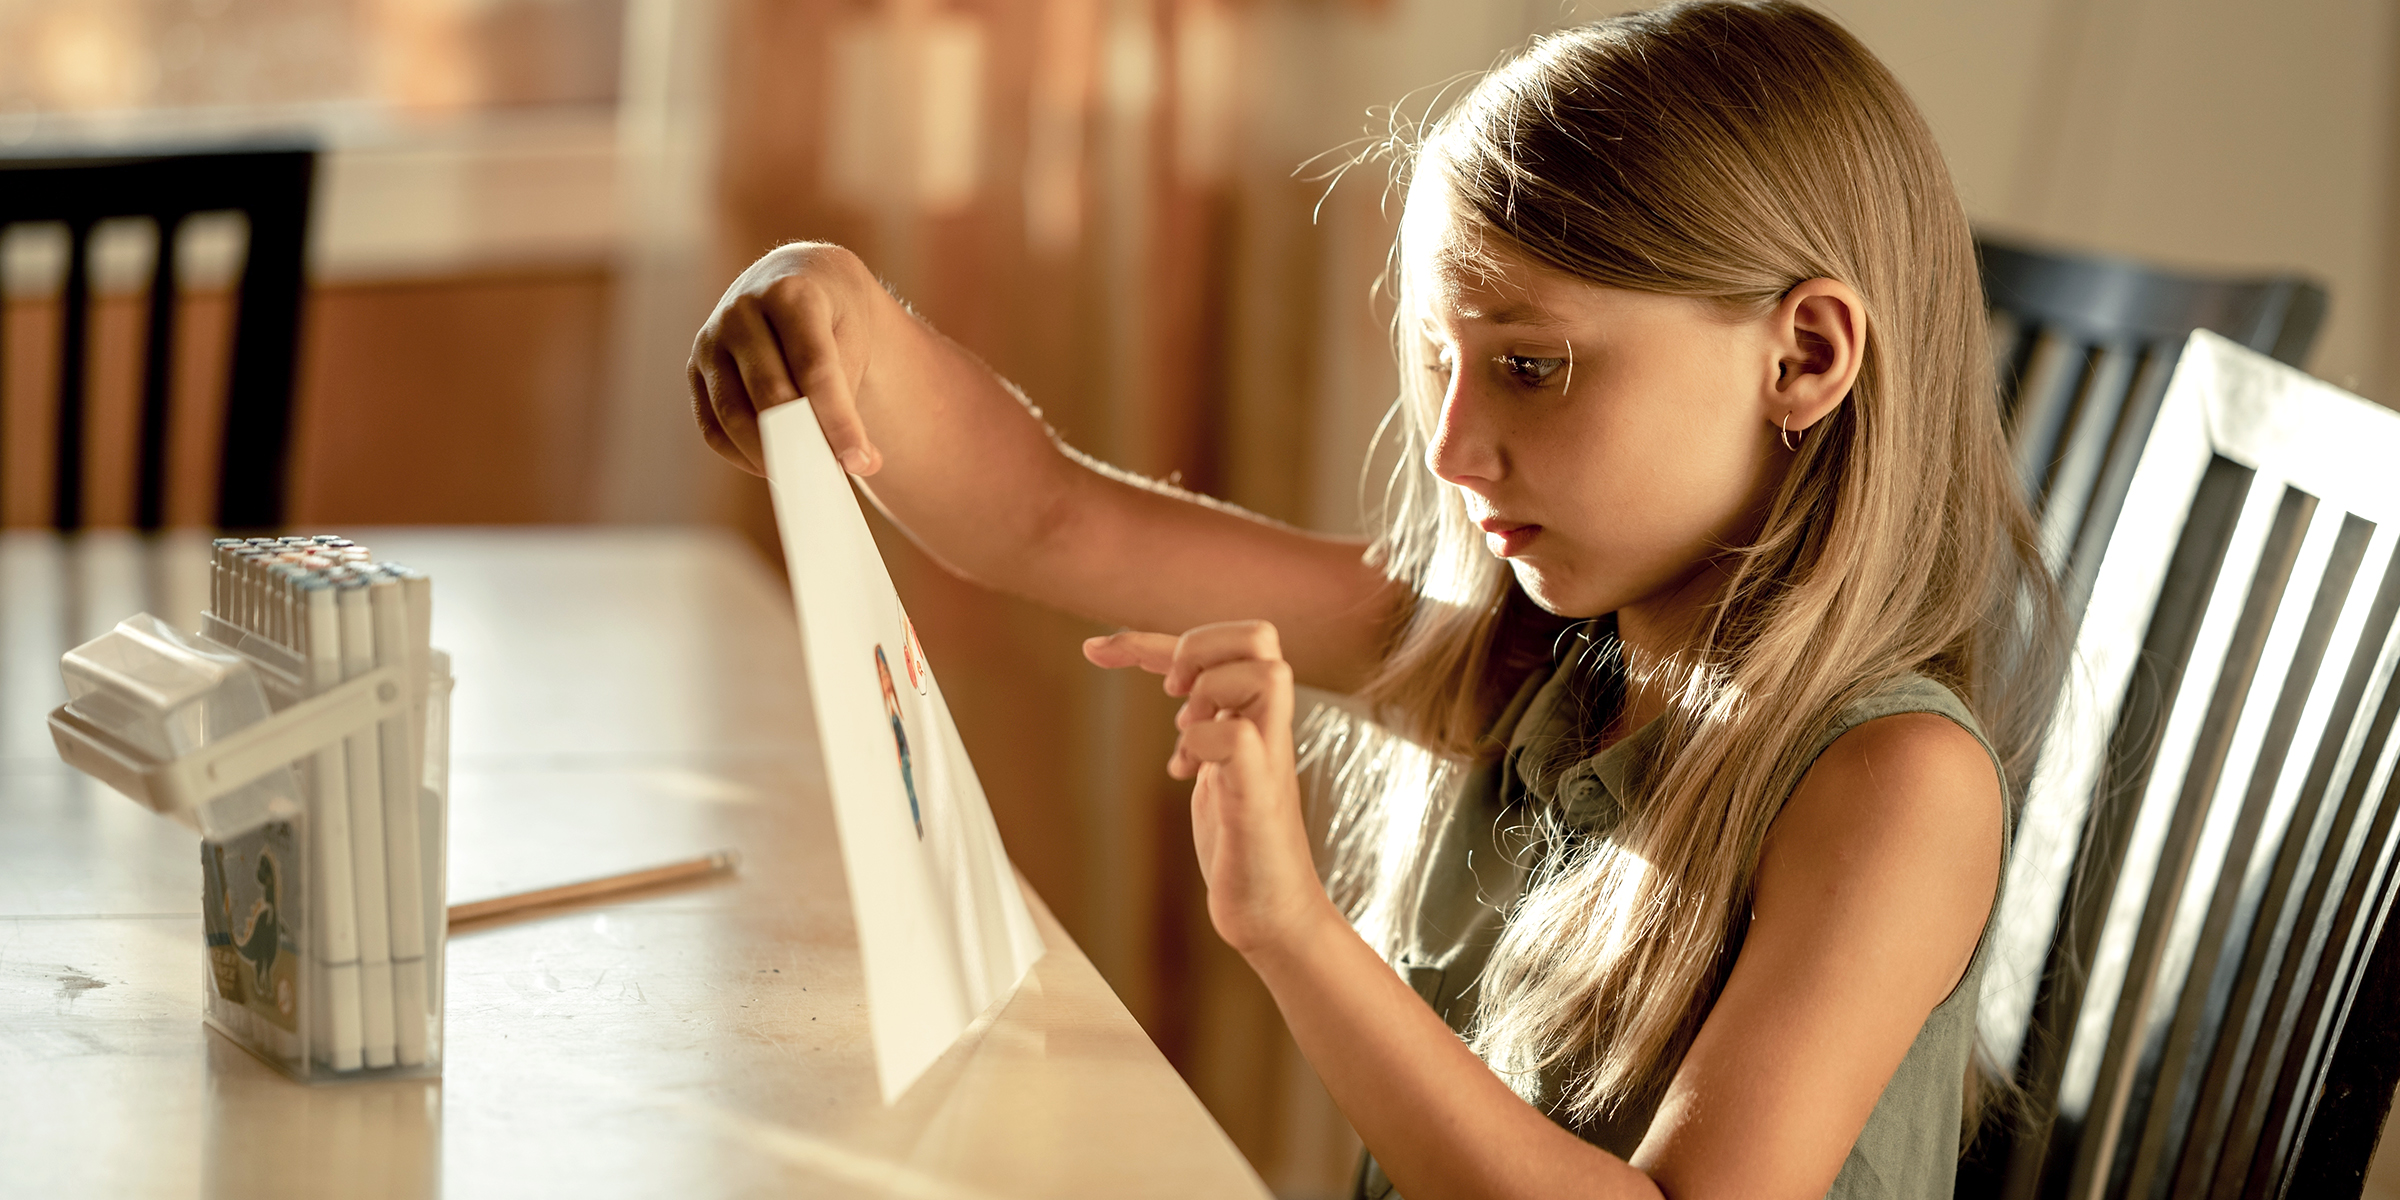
(943, 932)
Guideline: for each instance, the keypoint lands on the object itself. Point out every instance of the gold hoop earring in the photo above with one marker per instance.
(1788, 443)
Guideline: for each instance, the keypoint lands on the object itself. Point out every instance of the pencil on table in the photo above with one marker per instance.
(593, 889)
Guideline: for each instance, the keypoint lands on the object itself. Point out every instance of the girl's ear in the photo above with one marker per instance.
(1820, 333)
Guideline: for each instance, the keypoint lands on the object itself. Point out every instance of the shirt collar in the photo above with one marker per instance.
(1590, 794)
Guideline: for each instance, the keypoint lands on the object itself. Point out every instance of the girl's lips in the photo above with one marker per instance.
(1511, 540)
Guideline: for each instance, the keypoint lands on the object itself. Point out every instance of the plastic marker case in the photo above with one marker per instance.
(323, 912)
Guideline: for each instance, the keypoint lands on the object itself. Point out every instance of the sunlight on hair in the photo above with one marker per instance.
(1458, 579)
(1709, 691)
(1374, 794)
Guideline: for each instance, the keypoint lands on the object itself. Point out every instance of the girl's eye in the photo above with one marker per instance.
(1442, 364)
(1535, 371)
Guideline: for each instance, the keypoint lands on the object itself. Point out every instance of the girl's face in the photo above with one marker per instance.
(1610, 444)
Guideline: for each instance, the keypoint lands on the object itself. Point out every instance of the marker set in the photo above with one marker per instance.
(303, 732)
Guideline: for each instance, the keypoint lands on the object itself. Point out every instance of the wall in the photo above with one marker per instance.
(2207, 134)
(463, 399)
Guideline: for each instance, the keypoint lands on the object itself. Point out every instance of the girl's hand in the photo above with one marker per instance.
(1236, 742)
(797, 323)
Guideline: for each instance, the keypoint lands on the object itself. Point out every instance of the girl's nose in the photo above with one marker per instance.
(1463, 450)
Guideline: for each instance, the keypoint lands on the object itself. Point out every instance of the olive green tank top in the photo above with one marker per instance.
(1481, 854)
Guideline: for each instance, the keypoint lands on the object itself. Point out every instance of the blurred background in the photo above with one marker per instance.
(524, 208)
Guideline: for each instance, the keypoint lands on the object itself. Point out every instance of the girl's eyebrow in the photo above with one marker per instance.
(1521, 315)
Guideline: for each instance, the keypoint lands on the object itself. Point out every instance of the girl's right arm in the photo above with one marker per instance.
(967, 467)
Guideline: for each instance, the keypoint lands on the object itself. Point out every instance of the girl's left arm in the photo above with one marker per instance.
(1870, 897)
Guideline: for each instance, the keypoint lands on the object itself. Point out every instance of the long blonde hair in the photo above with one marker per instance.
(1725, 151)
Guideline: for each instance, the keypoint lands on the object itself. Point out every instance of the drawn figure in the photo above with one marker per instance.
(257, 946)
(891, 708)
(912, 656)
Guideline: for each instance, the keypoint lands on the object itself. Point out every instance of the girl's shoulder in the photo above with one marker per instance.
(1905, 780)
(1906, 694)
(1903, 812)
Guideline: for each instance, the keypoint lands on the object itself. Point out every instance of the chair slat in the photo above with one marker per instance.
(4, 373)
(2304, 1152)
(2083, 448)
(2177, 805)
(2045, 398)
(2134, 420)
(158, 373)
(2009, 342)
(2111, 721)
(2320, 865)
(255, 458)
(74, 313)
(2230, 874)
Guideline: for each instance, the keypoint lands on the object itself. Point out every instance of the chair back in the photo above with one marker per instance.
(2195, 976)
(2085, 346)
(270, 187)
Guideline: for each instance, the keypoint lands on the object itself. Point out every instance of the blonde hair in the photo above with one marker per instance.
(1724, 151)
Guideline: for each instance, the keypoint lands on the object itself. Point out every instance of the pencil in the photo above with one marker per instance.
(592, 889)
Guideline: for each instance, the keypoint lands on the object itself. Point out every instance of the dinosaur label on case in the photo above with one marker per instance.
(248, 890)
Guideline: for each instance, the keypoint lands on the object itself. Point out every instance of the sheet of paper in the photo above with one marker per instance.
(943, 931)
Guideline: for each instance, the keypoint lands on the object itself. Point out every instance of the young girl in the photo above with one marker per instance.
(1710, 621)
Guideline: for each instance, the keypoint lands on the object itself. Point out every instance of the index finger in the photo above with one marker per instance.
(803, 327)
(1152, 652)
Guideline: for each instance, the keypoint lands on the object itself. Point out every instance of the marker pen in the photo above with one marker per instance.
(338, 1032)
(403, 865)
(365, 774)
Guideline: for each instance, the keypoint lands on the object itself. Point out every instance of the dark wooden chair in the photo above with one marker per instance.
(2197, 979)
(270, 187)
(2085, 346)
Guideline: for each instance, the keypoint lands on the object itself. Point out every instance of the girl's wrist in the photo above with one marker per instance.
(1297, 941)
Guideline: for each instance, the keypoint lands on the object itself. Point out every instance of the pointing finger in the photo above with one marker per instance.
(1152, 652)
(804, 328)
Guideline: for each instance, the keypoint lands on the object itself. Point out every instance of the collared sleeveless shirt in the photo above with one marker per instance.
(1481, 853)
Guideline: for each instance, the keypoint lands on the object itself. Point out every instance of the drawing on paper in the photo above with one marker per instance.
(912, 656)
(944, 931)
(891, 709)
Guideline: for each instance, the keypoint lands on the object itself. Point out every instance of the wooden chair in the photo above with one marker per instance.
(2085, 346)
(270, 187)
(2196, 976)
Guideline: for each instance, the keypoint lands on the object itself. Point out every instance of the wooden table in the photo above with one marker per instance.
(624, 698)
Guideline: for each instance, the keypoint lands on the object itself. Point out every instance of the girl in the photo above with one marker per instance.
(1703, 636)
